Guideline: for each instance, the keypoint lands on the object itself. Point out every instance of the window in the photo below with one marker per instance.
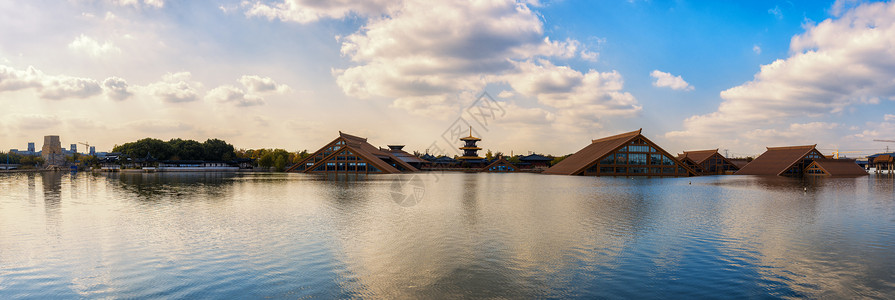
(621, 158)
(655, 170)
(638, 148)
(667, 161)
(621, 170)
(606, 170)
(639, 170)
(608, 160)
(655, 159)
(637, 158)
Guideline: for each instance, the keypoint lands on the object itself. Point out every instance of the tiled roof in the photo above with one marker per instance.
(535, 157)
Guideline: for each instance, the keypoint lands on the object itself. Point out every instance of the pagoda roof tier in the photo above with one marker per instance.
(469, 157)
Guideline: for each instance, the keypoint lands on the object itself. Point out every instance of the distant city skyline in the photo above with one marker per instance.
(292, 73)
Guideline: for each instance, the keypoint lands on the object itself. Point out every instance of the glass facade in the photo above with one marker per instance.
(637, 158)
(339, 159)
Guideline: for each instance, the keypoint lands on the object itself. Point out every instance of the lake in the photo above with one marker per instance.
(444, 235)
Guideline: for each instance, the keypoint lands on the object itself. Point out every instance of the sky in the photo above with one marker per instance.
(734, 75)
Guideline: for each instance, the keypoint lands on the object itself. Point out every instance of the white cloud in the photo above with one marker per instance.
(138, 3)
(590, 56)
(565, 88)
(889, 117)
(13, 80)
(35, 121)
(426, 55)
(159, 126)
(664, 79)
(258, 84)
(835, 64)
(49, 86)
(232, 94)
(116, 88)
(89, 46)
(756, 49)
(62, 87)
(175, 88)
(306, 11)
(776, 12)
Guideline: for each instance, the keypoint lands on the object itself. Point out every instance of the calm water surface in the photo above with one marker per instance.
(444, 236)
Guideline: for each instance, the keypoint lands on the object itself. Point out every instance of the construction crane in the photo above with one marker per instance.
(86, 144)
(885, 141)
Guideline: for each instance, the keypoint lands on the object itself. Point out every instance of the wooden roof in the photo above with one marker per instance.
(840, 167)
(885, 158)
(588, 155)
(698, 156)
(739, 162)
(776, 160)
(363, 149)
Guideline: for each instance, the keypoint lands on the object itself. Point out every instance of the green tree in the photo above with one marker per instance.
(558, 159)
(148, 146)
(216, 149)
(187, 149)
(489, 155)
(280, 163)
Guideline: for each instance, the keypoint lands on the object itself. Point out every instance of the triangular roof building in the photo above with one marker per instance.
(351, 154)
(626, 154)
(782, 161)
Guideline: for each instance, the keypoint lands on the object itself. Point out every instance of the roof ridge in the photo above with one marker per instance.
(354, 137)
(791, 147)
(710, 150)
(617, 136)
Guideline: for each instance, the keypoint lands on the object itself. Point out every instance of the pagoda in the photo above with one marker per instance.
(470, 150)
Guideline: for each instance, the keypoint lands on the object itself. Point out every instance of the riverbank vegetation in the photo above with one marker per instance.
(178, 149)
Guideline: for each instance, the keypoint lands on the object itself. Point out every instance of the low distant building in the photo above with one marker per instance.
(793, 161)
(535, 161)
(884, 163)
(626, 154)
(351, 155)
(500, 165)
(708, 162)
(31, 147)
(397, 151)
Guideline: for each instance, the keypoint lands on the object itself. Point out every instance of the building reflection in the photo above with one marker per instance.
(792, 230)
(483, 233)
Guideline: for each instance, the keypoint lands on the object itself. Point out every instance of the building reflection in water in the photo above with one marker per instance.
(799, 234)
(489, 233)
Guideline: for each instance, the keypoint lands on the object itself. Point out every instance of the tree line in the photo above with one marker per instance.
(277, 158)
(178, 149)
(25, 160)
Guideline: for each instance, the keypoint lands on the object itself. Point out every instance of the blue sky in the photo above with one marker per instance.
(292, 73)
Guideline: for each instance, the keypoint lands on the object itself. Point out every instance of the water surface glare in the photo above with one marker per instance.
(223, 235)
